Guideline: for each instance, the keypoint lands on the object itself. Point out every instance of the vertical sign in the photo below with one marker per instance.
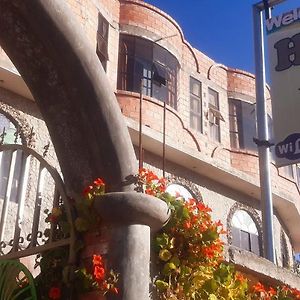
(284, 51)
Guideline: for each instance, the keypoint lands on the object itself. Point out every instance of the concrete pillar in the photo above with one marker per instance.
(132, 217)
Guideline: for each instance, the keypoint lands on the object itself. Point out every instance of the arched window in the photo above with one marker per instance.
(10, 163)
(244, 232)
(178, 190)
(139, 59)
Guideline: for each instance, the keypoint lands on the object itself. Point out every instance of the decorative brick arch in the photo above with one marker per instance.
(253, 214)
(60, 67)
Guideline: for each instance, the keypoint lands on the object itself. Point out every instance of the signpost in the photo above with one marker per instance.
(284, 52)
(262, 126)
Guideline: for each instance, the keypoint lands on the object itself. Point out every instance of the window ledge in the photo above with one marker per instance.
(261, 268)
(147, 98)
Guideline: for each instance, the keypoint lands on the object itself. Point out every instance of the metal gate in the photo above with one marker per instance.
(29, 186)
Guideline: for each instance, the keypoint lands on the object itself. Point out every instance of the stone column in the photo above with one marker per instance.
(132, 217)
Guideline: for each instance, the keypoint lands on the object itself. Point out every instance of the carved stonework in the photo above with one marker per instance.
(190, 186)
(285, 257)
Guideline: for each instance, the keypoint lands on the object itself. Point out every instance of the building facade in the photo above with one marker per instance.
(204, 110)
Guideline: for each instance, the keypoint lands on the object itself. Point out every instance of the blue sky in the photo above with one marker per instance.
(222, 29)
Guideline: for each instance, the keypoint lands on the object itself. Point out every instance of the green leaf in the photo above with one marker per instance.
(161, 285)
(185, 213)
(210, 235)
(81, 224)
(162, 240)
(165, 254)
(175, 260)
(210, 286)
(168, 268)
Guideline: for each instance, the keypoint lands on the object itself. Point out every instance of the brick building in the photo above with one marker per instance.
(209, 125)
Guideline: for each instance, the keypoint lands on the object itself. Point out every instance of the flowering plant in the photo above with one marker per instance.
(189, 253)
(54, 279)
(87, 218)
(149, 183)
(260, 291)
(95, 277)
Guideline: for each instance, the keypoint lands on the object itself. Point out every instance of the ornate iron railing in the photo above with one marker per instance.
(29, 186)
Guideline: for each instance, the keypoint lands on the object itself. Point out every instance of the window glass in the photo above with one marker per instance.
(242, 220)
(214, 115)
(288, 171)
(102, 40)
(242, 124)
(298, 174)
(249, 125)
(177, 190)
(213, 98)
(8, 164)
(142, 59)
(195, 105)
(160, 55)
(244, 232)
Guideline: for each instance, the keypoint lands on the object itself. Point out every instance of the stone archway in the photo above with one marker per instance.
(66, 79)
(87, 128)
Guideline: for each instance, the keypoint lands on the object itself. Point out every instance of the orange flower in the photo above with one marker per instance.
(192, 201)
(202, 207)
(99, 272)
(54, 293)
(87, 190)
(52, 218)
(97, 260)
(187, 225)
(240, 277)
(98, 182)
(258, 287)
(115, 290)
(149, 191)
(272, 292)
(219, 223)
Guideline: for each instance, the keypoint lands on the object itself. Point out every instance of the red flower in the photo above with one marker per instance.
(115, 290)
(258, 287)
(187, 225)
(99, 272)
(54, 293)
(87, 190)
(149, 191)
(219, 223)
(240, 277)
(98, 182)
(272, 292)
(192, 201)
(202, 207)
(97, 260)
(52, 218)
